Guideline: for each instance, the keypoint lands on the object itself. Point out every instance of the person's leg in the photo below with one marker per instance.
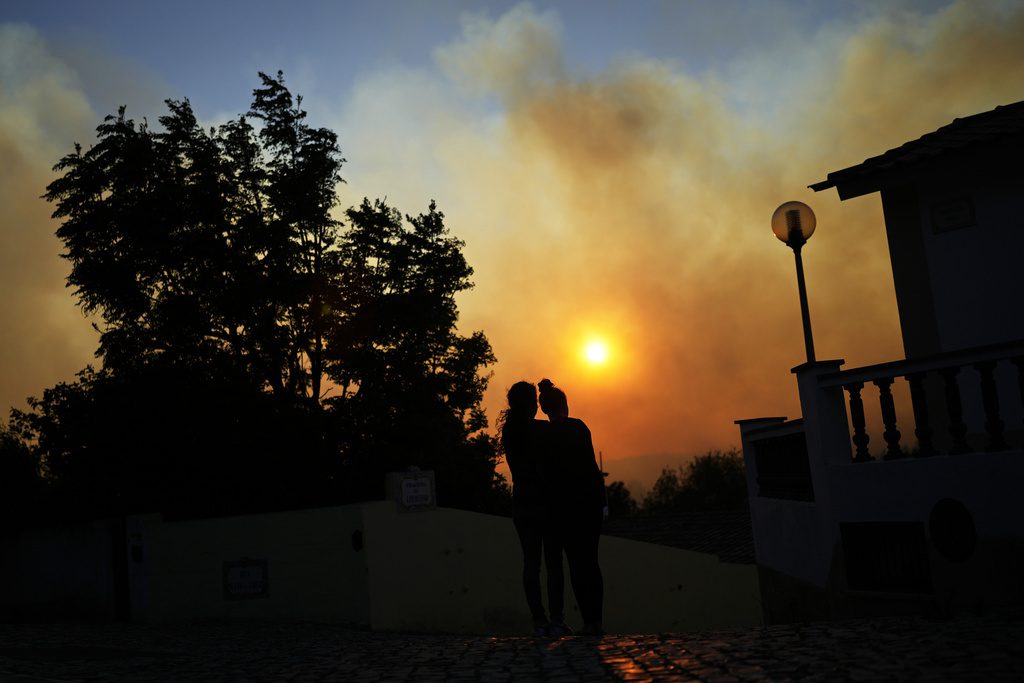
(530, 538)
(581, 545)
(556, 576)
(573, 542)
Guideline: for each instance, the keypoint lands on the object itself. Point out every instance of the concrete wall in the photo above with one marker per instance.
(458, 571)
(653, 588)
(443, 569)
(438, 570)
(314, 572)
(59, 573)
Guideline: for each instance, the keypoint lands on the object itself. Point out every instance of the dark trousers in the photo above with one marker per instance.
(536, 538)
(581, 533)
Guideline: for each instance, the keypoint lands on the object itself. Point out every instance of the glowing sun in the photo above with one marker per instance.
(595, 352)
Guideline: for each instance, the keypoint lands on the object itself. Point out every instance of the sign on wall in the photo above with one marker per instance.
(412, 490)
(245, 579)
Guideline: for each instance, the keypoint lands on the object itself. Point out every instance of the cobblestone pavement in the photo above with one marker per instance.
(968, 648)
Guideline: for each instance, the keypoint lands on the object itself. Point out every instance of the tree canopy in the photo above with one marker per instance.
(192, 243)
(715, 480)
(258, 348)
(712, 481)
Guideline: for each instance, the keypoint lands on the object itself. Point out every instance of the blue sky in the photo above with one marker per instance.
(207, 50)
(612, 167)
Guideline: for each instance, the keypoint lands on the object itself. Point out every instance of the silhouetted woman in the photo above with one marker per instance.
(525, 441)
(577, 500)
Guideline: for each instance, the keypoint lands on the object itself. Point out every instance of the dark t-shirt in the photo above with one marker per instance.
(575, 480)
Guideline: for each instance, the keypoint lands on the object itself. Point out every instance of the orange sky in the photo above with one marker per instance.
(632, 204)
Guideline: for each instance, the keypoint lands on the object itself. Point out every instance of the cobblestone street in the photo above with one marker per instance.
(968, 648)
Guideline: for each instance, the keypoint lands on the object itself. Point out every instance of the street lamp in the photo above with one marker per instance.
(793, 223)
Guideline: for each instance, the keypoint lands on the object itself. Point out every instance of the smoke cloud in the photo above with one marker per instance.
(634, 204)
(43, 339)
(630, 203)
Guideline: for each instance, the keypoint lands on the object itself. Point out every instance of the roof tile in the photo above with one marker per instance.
(1004, 121)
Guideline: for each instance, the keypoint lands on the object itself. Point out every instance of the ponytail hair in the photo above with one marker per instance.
(552, 399)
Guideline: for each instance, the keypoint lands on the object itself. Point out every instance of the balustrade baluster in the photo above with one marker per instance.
(922, 428)
(891, 434)
(860, 436)
(990, 401)
(957, 428)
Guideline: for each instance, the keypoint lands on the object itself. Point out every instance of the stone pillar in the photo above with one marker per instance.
(824, 413)
(828, 444)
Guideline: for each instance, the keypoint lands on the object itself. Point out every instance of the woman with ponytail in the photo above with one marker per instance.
(576, 498)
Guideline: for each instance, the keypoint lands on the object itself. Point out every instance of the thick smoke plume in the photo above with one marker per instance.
(631, 203)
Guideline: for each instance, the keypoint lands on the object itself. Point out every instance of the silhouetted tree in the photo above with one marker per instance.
(410, 384)
(665, 495)
(715, 480)
(195, 444)
(229, 298)
(190, 243)
(301, 176)
(21, 481)
(620, 500)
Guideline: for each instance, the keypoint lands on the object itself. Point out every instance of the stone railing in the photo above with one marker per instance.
(934, 380)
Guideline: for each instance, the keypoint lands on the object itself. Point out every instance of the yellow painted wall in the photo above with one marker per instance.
(654, 588)
(313, 571)
(444, 570)
(450, 570)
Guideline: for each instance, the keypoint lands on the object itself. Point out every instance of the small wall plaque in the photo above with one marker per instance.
(412, 490)
(245, 579)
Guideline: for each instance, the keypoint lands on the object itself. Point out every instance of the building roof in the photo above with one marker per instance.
(726, 534)
(990, 127)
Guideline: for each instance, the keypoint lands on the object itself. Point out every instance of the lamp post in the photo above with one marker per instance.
(794, 223)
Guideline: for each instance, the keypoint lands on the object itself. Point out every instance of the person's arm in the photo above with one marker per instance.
(593, 470)
(591, 457)
(510, 445)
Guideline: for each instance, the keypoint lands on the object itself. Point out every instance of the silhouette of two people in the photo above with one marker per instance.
(558, 501)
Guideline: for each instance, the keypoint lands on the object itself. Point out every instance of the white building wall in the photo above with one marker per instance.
(976, 272)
